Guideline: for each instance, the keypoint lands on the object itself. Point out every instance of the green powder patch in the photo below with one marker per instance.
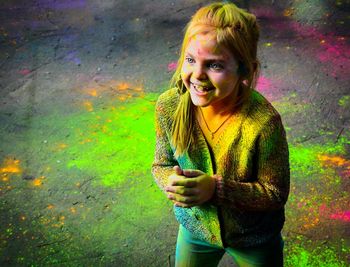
(304, 158)
(118, 144)
(291, 105)
(344, 101)
(318, 190)
(89, 195)
(304, 253)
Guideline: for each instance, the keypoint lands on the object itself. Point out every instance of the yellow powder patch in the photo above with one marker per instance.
(10, 165)
(288, 12)
(60, 147)
(332, 161)
(123, 86)
(88, 105)
(38, 181)
(92, 92)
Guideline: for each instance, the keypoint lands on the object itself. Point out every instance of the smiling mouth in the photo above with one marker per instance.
(202, 89)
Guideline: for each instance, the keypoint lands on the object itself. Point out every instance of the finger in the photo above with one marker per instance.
(179, 204)
(177, 170)
(192, 173)
(185, 182)
(175, 177)
(182, 199)
(181, 190)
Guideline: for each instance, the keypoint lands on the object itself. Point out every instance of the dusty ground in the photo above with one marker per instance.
(79, 80)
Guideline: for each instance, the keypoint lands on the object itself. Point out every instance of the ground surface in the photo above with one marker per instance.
(79, 80)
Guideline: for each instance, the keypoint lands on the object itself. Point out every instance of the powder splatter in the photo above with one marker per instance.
(333, 50)
(10, 165)
(341, 216)
(172, 66)
(25, 71)
(344, 101)
(336, 162)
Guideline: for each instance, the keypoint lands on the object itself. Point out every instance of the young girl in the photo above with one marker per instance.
(221, 151)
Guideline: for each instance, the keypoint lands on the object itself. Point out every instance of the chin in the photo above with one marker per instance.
(199, 102)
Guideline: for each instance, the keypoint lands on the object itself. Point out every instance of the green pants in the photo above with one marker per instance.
(191, 252)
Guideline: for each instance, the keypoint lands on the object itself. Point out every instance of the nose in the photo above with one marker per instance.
(199, 73)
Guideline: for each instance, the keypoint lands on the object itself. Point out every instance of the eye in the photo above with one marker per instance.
(189, 60)
(216, 66)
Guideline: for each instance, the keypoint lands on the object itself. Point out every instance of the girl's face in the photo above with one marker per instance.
(209, 72)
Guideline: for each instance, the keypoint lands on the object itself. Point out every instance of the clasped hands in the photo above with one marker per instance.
(187, 188)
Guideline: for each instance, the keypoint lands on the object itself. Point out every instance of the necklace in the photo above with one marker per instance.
(206, 124)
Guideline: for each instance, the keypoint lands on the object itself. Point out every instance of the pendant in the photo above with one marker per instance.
(212, 136)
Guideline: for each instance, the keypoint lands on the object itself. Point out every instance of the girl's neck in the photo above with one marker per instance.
(219, 110)
(223, 107)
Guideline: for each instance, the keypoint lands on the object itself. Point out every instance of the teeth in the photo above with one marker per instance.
(201, 88)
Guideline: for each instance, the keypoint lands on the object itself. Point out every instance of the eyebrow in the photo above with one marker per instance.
(219, 59)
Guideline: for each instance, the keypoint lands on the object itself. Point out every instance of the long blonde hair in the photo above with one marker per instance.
(237, 30)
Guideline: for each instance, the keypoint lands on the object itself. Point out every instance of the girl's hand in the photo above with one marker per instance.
(188, 188)
(179, 193)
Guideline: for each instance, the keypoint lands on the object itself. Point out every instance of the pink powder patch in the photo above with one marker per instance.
(329, 49)
(264, 84)
(323, 209)
(263, 12)
(345, 173)
(333, 51)
(342, 216)
(25, 71)
(172, 66)
(304, 30)
(269, 88)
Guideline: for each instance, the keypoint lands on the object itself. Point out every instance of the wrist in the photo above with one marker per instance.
(218, 191)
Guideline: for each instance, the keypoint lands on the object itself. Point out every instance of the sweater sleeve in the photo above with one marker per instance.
(164, 160)
(270, 189)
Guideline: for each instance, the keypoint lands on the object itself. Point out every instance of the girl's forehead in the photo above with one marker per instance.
(202, 44)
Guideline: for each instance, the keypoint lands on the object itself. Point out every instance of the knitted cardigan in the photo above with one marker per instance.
(252, 167)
